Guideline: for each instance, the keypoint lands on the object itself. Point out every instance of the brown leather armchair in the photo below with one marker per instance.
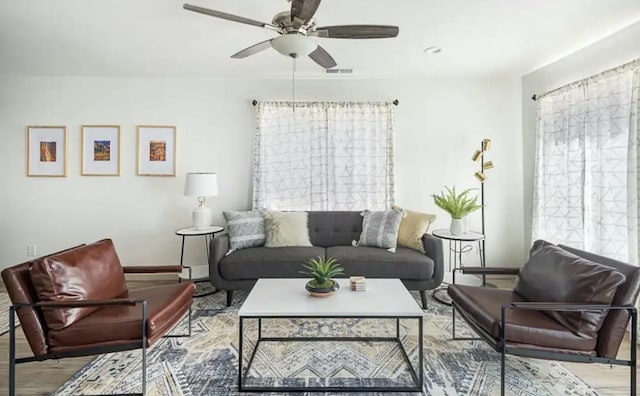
(566, 304)
(76, 303)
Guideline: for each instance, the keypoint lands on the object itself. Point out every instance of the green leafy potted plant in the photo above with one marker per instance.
(321, 270)
(457, 205)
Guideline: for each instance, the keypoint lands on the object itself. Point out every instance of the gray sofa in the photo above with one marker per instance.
(331, 234)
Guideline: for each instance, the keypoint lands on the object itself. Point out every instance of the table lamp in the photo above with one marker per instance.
(201, 185)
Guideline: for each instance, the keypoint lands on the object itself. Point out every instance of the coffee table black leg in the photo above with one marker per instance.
(240, 362)
(420, 352)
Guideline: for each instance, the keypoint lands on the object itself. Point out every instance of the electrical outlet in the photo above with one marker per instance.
(31, 250)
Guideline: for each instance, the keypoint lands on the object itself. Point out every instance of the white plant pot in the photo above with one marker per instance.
(456, 227)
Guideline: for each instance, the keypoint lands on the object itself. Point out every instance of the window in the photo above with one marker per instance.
(586, 170)
(323, 156)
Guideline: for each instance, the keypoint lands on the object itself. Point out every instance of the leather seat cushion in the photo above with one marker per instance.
(553, 274)
(120, 324)
(374, 262)
(90, 272)
(483, 306)
(262, 262)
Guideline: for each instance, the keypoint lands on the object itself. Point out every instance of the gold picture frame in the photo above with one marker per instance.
(100, 150)
(156, 150)
(47, 151)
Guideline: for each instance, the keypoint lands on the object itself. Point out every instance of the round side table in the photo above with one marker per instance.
(208, 234)
(459, 244)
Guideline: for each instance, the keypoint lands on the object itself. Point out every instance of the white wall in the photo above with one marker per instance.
(612, 51)
(439, 123)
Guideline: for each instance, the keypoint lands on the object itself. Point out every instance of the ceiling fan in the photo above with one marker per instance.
(295, 27)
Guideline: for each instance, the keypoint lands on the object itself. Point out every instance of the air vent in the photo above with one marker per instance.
(338, 71)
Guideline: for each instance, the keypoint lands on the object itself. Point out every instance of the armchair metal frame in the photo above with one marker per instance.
(631, 363)
(504, 349)
(13, 360)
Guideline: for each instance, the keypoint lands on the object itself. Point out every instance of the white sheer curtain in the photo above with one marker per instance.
(586, 169)
(323, 156)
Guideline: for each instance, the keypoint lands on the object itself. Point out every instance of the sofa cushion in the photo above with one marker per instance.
(263, 262)
(334, 228)
(91, 272)
(380, 228)
(374, 262)
(412, 227)
(286, 229)
(574, 280)
(246, 228)
(166, 305)
(483, 306)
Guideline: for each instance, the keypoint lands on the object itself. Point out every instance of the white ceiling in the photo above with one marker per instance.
(158, 37)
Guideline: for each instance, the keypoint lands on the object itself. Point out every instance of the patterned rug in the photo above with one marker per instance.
(5, 303)
(206, 363)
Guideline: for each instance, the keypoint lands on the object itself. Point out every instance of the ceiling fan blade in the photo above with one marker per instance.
(322, 57)
(302, 11)
(357, 31)
(254, 49)
(224, 15)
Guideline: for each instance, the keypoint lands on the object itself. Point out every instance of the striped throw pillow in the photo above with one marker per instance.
(246, 228)
(380, 229)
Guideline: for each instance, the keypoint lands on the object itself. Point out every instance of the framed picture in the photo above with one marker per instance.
(100, 150)
(156, 150)
(47, 151)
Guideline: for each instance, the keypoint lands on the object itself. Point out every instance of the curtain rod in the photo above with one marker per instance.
(395, 102)
(633, 63)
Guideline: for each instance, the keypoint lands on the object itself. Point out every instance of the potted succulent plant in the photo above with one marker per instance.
(457, 205)
(321, 270)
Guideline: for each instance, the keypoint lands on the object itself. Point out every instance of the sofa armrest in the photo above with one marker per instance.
(218, 248)
(434, 250)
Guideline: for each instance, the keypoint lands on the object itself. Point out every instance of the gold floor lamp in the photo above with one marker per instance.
(485, 145)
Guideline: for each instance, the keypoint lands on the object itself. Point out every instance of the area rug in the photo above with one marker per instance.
(206, 363)
(5, 303)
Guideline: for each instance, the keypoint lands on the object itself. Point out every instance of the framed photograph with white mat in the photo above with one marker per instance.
(100, 150)
(47, 151)
(156, 150)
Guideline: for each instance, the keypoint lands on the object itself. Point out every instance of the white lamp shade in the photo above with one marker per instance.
(294, 44)
(200, 184)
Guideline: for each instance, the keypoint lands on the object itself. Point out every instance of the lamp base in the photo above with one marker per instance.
(202, 218)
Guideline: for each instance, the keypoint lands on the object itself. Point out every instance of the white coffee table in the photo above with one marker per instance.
(287, 299)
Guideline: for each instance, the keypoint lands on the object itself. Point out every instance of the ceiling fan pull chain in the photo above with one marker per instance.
(293, 82)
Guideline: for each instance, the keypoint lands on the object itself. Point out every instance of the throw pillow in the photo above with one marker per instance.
(287, 229)
(246, 228)
(380, 229)
(412, 227)
(553, 274)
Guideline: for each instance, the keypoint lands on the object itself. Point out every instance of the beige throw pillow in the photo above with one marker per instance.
(412, 227)
(286, 229)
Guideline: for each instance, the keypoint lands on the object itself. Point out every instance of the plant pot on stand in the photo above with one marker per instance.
(458, 206)
(457, 226)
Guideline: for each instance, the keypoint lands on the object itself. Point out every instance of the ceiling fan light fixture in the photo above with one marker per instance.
(294, 45)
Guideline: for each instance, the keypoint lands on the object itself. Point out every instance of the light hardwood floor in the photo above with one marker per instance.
(42, 378)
